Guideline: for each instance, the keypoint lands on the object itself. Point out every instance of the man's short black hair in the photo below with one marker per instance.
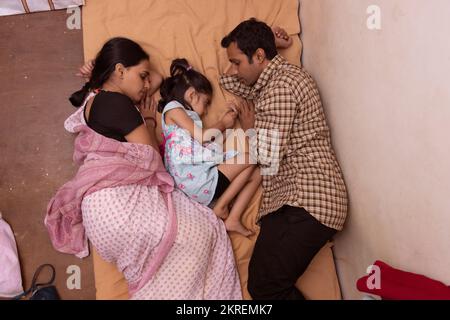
(250, 35)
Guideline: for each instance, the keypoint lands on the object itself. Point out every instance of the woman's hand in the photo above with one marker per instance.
(86, 70)
(282, 39)
(148, 108)
(246, 114)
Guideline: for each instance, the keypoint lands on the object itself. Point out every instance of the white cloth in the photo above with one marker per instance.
(11, 7)
(10, 276)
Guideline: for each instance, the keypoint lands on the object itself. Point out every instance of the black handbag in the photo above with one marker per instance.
(41, 291)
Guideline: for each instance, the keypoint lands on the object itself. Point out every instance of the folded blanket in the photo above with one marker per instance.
(11, 7)
(395, 284)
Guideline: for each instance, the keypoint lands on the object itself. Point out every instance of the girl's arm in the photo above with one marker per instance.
(181, 119)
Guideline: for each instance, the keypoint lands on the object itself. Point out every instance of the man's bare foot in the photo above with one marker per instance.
(236, 226)
(282, 39)
(221, 212)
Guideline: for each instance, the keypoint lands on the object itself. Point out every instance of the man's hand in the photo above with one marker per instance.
(282, 39)
(246, 114)
(86, 70)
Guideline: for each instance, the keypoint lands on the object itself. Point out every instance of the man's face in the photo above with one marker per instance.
(248, 73)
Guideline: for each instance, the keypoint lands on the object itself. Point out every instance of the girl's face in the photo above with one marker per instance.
(136, 81)
(200, 103)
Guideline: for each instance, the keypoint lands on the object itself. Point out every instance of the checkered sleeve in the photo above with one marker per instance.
(236, 87)
(274, 121)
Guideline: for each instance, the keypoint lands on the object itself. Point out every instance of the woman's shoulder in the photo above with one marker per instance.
(113, 99)
(115, 111)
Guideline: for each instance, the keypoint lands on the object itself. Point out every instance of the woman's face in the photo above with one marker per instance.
(136, 81)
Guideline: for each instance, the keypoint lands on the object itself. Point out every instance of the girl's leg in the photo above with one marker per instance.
(221, 207)
(232, 170)
(233, 222)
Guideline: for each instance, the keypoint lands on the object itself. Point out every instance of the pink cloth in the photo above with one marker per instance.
(125, 223)
(122, 200)
(105, 163)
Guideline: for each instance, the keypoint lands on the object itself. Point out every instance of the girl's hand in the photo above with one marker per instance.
(86, 70)
(148, 108)
(282, 39)
(229, 118)
(246, 114)
(231, 105)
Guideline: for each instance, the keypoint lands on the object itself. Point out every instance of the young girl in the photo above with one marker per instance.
(197, 167)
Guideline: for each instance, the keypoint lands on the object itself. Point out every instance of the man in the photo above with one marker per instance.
(304, 200)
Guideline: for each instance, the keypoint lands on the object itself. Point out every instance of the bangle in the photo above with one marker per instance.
(153, 119)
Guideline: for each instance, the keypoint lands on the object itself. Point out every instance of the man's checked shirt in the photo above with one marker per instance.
(294, 145)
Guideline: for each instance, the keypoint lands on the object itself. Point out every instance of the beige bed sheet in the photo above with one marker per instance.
(193, 29)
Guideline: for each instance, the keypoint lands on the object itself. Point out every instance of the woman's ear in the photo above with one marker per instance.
(120, 69)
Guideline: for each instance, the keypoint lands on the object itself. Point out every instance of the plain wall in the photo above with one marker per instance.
(386, 94)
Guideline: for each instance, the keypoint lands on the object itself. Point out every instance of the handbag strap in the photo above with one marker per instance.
(34, 284)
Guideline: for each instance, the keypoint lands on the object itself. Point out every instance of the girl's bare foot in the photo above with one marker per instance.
(221, 212)
(236, 226)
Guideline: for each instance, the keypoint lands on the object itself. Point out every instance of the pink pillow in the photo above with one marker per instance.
(10, 276)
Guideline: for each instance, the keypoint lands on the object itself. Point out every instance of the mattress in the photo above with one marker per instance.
(193, 29)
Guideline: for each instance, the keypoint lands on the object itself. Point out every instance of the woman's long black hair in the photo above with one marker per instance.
(116, 50)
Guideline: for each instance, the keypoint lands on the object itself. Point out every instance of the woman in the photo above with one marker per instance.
(123, 200)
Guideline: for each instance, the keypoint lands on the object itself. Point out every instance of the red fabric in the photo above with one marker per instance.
(401, 285)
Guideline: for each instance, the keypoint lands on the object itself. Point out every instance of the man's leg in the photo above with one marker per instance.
(289, 239)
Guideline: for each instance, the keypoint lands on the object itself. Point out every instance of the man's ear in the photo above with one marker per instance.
(260, 55)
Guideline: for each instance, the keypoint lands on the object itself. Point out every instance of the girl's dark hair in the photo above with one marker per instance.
(182, 77)
(116, 50)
